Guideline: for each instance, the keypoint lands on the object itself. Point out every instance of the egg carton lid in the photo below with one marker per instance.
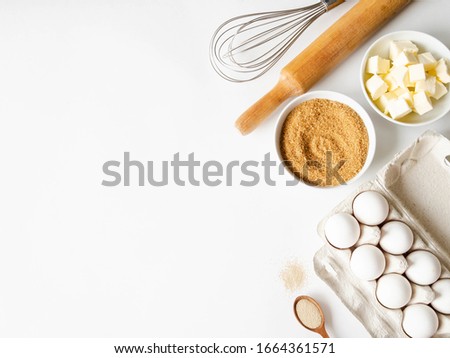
(418, 180)
(417, 184)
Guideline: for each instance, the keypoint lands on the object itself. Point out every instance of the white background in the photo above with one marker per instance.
(81, 82)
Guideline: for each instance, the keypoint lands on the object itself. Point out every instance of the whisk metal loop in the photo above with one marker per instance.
(246, 47)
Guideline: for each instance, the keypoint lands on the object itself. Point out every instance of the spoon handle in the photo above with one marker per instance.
(323, 332)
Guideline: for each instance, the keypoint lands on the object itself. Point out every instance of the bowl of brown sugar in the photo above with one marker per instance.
(325, 139)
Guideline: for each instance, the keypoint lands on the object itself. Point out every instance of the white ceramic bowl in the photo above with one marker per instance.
(334, 96)
(426, 43)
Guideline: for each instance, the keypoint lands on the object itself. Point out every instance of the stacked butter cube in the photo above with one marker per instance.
(407, 81)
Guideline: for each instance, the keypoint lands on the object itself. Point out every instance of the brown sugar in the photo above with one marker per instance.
(324, 142)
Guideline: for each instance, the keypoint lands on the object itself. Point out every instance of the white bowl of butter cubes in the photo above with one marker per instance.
(405, 77)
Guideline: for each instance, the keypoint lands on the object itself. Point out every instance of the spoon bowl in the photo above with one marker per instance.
(314, 308)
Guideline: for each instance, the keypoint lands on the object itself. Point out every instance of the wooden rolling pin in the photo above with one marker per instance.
(328, 50)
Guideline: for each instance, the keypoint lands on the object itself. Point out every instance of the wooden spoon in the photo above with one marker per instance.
(320, 329)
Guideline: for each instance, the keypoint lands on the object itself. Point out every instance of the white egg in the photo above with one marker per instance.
(396, 237)
(420, 321)
(342, 230)
(423, 267)
(393, 291)
(370, 208)
(441, 301)
(367, 262)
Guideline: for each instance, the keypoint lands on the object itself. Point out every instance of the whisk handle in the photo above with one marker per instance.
(330, 4)
(257, 113)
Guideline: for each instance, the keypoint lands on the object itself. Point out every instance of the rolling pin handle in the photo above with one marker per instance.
(257, 113)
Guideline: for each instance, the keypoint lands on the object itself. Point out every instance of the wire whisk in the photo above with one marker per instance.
(246, 47)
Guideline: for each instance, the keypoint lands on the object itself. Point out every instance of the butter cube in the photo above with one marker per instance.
(376, 86)
(398, 108)
(405, 58)
(407, 81)
(441, 90)
(397, 47)
(399, 74)
(416, 73)
(422, 103)
(428, 86)
(377, 65)
(390, 81)
(442, 71)
(428, 61)
(405, 94)
(384, 100)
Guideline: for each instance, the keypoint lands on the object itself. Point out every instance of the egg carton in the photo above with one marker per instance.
(416, 184)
